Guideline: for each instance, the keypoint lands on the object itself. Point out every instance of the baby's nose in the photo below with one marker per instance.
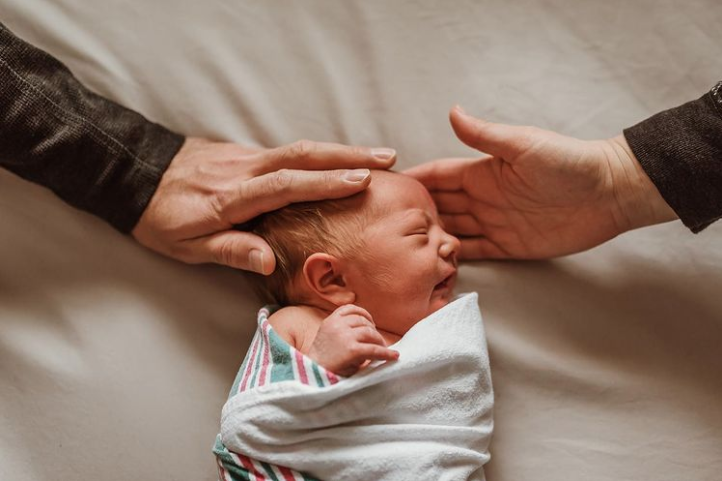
(449, 247)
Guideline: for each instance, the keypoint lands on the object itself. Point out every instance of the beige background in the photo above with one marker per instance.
(115, 362)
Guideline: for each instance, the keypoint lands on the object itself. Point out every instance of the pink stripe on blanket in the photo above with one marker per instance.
(222, 473)
(287, 474)
(266, 354)
(332, 378)
(249, 366)
(301, 368)
(247, 463)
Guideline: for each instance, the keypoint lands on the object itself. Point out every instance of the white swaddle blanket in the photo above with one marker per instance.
(426, 416)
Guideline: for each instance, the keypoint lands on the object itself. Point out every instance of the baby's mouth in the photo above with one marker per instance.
(447, 283)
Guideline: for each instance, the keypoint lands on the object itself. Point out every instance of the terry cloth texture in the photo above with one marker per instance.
(426, 416)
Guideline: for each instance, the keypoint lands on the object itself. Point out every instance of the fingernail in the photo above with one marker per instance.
(255, 260)
(356, 176)
(461, 110)
(383, 153)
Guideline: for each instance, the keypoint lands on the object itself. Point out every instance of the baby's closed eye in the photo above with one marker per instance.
(419, 236)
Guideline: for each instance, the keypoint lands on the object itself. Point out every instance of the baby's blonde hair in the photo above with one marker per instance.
(297, 231)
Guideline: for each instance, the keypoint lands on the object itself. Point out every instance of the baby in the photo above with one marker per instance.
(354, 275)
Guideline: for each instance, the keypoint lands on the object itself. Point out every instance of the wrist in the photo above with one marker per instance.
(637, 202)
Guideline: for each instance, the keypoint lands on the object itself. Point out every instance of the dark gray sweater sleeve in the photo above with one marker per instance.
(681, 151)
(93, 153)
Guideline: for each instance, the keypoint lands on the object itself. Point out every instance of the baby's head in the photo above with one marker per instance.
(383, 249)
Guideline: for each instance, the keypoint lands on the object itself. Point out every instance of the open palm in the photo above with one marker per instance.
(537, 195)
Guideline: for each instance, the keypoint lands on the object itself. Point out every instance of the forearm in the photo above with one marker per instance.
(93, 153)
(680, 151)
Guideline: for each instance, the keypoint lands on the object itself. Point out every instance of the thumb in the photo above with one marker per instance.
(237, 249)
(506, 141)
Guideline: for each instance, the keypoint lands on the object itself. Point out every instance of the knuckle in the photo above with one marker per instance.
(281, 181)
(371, 334)
(366, 317)
(358, 152)
(355, 350)
(301, 149)
(329, 177)
(345, 309)
(227, 254)
(220, 201)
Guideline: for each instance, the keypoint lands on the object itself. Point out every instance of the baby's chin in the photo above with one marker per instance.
(438, 302)
(401, 325)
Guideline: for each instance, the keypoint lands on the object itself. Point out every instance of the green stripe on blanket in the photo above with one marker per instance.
(269, 359)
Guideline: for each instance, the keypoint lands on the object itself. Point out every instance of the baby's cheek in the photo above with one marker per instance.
(437, 304)
(383, 279)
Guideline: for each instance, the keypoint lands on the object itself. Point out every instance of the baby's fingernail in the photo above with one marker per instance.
(356, 176)
(255, 260)
(460, 109)
(383, 153)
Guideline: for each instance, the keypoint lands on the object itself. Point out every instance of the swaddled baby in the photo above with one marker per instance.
(353, 276)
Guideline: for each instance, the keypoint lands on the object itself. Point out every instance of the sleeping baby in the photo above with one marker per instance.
(368, 370)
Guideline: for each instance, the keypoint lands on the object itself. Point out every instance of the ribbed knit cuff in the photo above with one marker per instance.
(681, 151)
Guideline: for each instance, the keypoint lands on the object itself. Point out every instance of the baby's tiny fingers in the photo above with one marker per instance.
(384, 354)
(376, 352)
(354, 310)
(359, 322)
(369, 335)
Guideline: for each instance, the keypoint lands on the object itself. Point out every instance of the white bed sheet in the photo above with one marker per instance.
(607, 365)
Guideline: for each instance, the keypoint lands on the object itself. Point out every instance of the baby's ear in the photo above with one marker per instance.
(324, 277)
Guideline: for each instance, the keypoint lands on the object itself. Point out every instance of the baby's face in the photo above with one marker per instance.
(408, 268)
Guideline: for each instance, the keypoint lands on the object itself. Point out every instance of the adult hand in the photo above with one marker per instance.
(211, 186)
(538, 194)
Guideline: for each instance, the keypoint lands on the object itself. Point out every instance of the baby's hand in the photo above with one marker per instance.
(348, 338)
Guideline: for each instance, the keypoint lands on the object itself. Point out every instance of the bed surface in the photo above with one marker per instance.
(607, 365)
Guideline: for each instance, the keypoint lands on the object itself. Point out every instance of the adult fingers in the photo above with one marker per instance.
(442, 174)
(277, 189)
(452, 202)
(462, 224)
(506, 141)
(481, 248)
(309, 155)
(240, 250)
